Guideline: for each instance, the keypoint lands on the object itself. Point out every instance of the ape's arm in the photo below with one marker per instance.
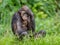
(32, 20)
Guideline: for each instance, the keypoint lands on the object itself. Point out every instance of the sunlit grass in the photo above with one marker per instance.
(10, 39)
(52, 36)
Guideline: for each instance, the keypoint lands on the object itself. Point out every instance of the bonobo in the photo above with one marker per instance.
(23, 21)
(41, 33)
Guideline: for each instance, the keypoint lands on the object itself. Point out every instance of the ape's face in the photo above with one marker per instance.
(24, 15)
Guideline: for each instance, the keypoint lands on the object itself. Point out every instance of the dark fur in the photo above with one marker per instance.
(17, 22)
(41, 33)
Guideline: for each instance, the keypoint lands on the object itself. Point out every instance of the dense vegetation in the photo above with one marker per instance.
(47, 17)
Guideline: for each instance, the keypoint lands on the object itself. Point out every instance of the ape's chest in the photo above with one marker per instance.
(26, 24)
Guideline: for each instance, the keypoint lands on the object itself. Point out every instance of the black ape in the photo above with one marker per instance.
(23, 22)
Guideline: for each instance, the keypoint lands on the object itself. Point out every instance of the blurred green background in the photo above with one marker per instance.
(47, 17)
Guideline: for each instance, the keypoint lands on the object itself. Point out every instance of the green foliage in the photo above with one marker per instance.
(48, 7)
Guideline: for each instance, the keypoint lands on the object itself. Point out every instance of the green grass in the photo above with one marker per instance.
(50, 25)
(9, 39)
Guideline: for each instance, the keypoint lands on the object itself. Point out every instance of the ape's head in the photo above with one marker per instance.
(24, 12)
